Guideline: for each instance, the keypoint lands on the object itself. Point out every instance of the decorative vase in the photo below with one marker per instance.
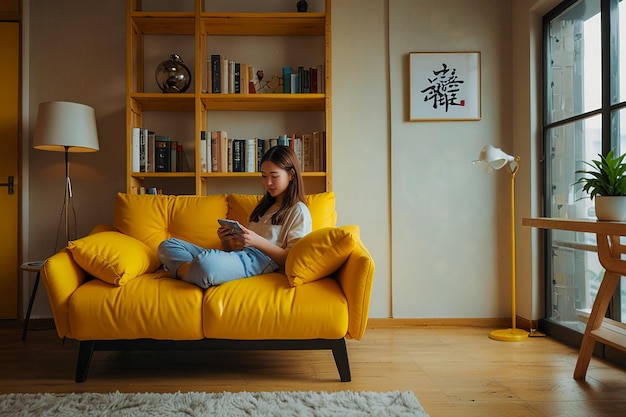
(611, 208)
(172, 75)
(302, 6)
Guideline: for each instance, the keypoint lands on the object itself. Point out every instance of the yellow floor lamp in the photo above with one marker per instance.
(491, 159)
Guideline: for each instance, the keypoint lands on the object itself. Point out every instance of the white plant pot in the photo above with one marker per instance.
(611, 208)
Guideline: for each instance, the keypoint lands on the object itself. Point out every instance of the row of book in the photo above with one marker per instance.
(311, 80)
(226, 76)
(155, 153)
(219, 153)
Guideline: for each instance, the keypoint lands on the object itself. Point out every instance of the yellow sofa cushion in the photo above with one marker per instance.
(113, 257)
(318, 254)
(146, 307)
(152, 219)
(321, 206)
(267, 307)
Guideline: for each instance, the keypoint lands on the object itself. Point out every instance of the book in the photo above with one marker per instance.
(218, 151)
(317, 163)
(251, 80)
(173, 156)
(224, 76)
(300, 79)
(151, 151)
(135, 153)
(251, 155)
(216, 79)
(307, 155)
(294, 88)
(203, 152)
(287, 80)
(297, 149)
(244, 79)
(236, 77)
(306, 81)
(313, 73)
(238, 155)
(283, 140)
(261, 148)
(163, 155)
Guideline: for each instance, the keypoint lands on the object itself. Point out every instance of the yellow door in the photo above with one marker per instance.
(9, 105)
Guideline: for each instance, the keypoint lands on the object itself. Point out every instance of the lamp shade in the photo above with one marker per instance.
(492, 158)
(63, 125)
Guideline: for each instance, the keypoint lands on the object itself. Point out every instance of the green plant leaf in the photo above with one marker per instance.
(605, 177)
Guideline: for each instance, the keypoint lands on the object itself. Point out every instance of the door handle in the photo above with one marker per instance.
(10, 184)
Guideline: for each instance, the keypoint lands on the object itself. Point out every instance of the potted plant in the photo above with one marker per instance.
(606, 182)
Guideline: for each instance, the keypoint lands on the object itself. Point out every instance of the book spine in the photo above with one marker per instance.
(287, 80)
(135, 165)
(163, 156)
(244, 80)
(316, 151)
(306, 81)
(225, 148)
(238, 155)
(313, 72)
(237, 78)
(224, 76)
(180, 163)
(300, 79)
(216, 81)
(173, 156)
(283, 140)
(297, 148)
(143, 144)
(229, 154)
(151, 151)
(251, 154)
(203, 152)
(307, 155)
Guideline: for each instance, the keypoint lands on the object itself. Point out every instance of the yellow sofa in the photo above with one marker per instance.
(106, 290)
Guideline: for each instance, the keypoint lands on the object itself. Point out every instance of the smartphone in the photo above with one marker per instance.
(231, 224)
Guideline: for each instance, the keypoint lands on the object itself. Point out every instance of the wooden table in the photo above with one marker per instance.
(610, 251)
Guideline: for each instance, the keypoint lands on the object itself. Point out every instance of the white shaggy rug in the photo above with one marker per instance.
(226, 404)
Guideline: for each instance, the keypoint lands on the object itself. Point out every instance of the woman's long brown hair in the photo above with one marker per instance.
(285, 158)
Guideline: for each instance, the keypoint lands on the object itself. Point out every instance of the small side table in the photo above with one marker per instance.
(34, 266)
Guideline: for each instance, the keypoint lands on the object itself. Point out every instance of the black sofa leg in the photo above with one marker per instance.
(84, 359)
(340, 353)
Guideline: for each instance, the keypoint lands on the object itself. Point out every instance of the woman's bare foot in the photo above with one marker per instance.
(182, 270)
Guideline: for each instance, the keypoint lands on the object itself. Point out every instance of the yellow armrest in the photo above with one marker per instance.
(356, 278)
(61, 276)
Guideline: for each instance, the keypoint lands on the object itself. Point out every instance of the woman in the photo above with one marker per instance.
(279, 220)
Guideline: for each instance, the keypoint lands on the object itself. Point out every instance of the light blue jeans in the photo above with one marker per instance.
(213, 266)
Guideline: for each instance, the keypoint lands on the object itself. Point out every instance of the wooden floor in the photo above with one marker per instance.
(452, 371)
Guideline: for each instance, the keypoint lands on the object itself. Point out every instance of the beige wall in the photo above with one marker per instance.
(436, 227)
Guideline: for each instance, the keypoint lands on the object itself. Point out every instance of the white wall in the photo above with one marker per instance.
(447, 247)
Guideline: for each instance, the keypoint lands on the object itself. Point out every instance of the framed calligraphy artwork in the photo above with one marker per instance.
(444, 86)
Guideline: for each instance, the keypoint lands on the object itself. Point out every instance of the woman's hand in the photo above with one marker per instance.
(249, 238)
(227, 236)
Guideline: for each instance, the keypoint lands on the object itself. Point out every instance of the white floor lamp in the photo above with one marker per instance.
(491, 159)
(66, 127)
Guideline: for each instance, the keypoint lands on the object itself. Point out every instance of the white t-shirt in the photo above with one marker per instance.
(296, 225)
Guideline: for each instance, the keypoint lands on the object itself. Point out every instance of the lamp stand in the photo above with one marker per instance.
(68, 195)
(513, 334)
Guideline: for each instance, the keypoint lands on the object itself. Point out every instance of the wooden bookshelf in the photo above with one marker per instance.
(204, 29)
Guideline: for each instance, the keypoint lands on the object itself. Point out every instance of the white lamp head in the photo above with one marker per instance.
(492, 158)
(63, 125)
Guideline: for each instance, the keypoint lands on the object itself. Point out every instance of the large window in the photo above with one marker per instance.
(585, 63)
